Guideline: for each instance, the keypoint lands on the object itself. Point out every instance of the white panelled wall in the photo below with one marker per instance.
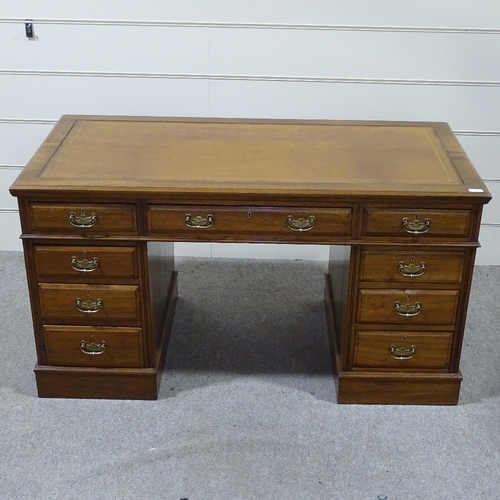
(349, 59)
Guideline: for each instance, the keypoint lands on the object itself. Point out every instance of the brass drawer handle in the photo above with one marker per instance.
(411, 270)
(300, 224)
(199, 222)
(83, 220)
(84, 266)
(89, 306)
(407, 309)
(417, 226)
(402, 352)
(93, 348)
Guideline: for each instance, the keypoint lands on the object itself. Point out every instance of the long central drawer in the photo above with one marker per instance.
(205, 222)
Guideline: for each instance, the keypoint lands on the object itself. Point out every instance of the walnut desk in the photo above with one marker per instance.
(104, 198)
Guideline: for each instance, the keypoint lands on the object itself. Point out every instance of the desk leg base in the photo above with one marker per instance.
(109, 383)
(365, 387)
(95, 383)
(398, 389)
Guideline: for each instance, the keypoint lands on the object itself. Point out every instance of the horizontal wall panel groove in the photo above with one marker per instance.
(28, 121)
(421, 13)
(477, 133)
(267, 26)
(252, 78)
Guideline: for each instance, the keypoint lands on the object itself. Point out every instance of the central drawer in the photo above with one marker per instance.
(89, 304)
(204, 222)
(407, 306)
(93, 346)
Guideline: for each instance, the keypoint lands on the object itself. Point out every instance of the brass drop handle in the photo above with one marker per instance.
(416, 226)
(199, 222)
(93, 348)
(407, 309)
(411, 270)
(82, 220)
(301, 224)
(402, 352)
(84, 265)
(89, 306)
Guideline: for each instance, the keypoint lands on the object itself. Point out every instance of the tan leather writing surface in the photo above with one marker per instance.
(296, 157)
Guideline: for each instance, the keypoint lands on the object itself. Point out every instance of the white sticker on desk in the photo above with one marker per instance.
(475, 190)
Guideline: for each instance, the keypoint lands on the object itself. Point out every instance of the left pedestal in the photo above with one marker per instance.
(102, 314)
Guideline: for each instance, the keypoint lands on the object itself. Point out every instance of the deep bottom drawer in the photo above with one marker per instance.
(93, 347)
(402, 350)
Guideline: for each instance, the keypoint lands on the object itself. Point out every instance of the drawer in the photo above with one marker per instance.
(412, 265)
(298, 224)
(411, 222)
(402, 350)
(85, 261)
(89, 304)
(76, 218)
(93, 347)
(407, 306)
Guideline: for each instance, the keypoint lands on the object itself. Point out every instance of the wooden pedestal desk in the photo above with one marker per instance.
(104, 198)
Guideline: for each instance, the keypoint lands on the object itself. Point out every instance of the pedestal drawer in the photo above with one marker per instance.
(415, 265)
(407, 306)
(93, 346)
(89, 304)
(85, 261)
(297, 224)
(83, 218)
(402, 350)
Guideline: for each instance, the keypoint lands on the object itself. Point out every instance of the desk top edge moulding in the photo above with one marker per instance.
(104, 199)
